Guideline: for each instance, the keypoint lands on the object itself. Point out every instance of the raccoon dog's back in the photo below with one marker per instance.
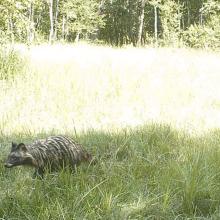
(52, 153)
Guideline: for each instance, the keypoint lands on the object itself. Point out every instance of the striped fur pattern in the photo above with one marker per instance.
(50, 154)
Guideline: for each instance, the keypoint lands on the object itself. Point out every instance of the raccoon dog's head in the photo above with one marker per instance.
(18, 156)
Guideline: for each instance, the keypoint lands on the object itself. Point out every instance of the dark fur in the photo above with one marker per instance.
(50, 154)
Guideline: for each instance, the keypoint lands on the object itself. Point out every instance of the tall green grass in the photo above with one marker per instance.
(11, 63)
(150, 117)
(151, 172)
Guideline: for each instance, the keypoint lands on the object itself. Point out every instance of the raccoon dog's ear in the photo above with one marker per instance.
(13, 145)
(22, 147)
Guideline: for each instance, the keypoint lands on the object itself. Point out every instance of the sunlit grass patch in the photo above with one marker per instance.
(74, 87)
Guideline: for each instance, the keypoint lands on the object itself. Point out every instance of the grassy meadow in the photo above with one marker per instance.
(151, 117)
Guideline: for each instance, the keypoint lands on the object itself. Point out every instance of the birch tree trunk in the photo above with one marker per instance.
(63, 28)
(77, 37)
(51, 22)
(155, 23)
(201, 16)
(141, 25)
(55, 19)
(101, 6)
(179, 14)
(11, 28)
(31, 27)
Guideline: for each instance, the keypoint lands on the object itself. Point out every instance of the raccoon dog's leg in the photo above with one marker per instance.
(39, 173)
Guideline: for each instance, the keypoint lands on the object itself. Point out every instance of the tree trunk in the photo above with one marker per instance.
(63, 28)
(179, 23)
(183, 22)
(141, 25)
(51, 22)
(31, 28)
(11, 28)
(130, 35)
(77, 37)
(188, 14)
(155, 23)
(201, 16)
(55, 20)
(101, 5)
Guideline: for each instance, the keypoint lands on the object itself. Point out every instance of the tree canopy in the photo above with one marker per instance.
(116, 22)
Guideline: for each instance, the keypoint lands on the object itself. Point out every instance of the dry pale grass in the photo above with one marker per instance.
(78, 87)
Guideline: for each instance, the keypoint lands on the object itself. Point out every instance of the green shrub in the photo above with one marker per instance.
(207, 33)
(198, 36)
(11, 63)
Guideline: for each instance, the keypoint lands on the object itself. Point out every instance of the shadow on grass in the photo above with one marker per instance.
(151, 172)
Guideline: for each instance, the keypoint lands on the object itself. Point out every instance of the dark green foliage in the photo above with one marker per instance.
(206, 33)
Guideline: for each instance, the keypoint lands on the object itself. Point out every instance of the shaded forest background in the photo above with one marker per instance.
(193, 23)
